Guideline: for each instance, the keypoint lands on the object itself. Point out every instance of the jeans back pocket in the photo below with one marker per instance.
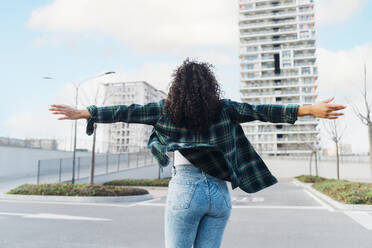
(222, 185)
(180, 193)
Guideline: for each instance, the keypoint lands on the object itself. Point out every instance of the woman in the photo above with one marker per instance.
(210, 148)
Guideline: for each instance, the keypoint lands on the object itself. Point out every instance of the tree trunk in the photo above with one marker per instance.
(338, 162)
(370, 146)
(91, 177)
(311, 156)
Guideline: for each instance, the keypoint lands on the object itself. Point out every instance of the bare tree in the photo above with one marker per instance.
(365, 117)
(314, 151)
(334, 133)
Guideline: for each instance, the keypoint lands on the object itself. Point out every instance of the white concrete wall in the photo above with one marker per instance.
(22, 162)
(289, 168)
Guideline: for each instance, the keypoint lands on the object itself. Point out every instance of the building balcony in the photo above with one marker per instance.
(271, 15)
(274, 41)
(271, 85)
(256, 51)
(283, 132)
(280, 76)
(267, 7)
(282, 141)
(272, 95)
(278, 23)
(268, 33)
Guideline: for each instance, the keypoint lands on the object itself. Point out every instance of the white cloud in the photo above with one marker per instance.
(341, 74)
(343, 69)
(330, 12)
(156, 27)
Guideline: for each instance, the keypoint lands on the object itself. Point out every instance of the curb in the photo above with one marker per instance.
(336, 204)
(91, 199)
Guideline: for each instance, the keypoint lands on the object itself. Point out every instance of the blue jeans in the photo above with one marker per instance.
(197, 209)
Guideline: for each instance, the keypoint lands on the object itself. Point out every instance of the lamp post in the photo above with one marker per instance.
(75, 124)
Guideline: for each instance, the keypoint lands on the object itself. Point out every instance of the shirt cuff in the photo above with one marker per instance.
(291, 113)
(93, 118)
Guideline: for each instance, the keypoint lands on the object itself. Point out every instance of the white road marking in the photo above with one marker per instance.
(327, 206)
(253, 207)
(53, 216)
(62, 217)
(280, 207)
(247, 199)
(296, 183)
(14, 214)
(143, 202)
(70, 203)
(258, 199)
(362, 218)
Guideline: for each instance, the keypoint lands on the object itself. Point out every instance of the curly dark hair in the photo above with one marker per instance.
(193, 100)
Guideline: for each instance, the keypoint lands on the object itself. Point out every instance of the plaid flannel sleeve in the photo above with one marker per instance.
(134, 113)
(275, 113)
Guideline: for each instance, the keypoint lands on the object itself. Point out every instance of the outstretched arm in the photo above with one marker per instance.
(277, 113)
(134, 113)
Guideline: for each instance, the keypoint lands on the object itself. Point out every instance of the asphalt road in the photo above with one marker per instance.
(284, 215)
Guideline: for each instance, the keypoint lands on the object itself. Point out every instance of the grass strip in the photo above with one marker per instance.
(140, 182)
(76, 190)
(341, 190)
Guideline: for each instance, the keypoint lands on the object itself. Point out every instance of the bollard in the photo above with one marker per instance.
(38, 171)
(119, 162)
(137, 159)
(145, 158)
(128, 159)
(78, 168)
(107, 158)
(60, 169)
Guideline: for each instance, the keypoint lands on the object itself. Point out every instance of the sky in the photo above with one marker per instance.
(73, 41)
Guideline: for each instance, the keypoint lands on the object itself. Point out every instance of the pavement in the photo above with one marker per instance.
(284, 215)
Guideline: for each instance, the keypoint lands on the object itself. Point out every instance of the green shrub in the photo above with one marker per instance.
(76, 190)
(345, 191)
(140, 182)
(310, 179)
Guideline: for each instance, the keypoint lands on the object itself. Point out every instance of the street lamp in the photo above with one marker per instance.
(75, 124)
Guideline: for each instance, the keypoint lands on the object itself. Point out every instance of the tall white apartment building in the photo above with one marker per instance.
(123, 137)
(278, 66)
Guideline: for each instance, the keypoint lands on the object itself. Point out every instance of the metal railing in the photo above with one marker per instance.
(60, 170)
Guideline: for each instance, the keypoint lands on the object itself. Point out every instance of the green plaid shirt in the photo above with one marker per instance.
(222, 151)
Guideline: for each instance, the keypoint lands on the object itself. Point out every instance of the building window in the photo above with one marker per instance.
(308, 80)
(287, 63)
(286, 54)
(307, 89)
(305, 70)
(252, 57)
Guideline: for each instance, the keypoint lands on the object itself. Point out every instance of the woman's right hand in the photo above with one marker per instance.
(68, 112)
